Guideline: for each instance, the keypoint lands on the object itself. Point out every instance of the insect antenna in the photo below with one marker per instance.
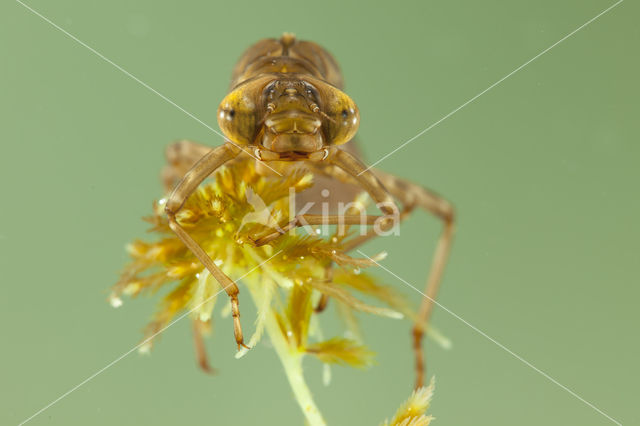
(315, 108)
(322, 113)
(270, 108)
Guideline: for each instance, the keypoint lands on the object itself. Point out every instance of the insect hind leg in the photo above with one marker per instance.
(181, 156)
(410, 194)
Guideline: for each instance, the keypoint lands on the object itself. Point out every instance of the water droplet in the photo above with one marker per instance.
(380, 256)
(145, 348)
(115, 301)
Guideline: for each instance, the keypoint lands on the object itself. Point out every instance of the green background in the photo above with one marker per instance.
(543, 170)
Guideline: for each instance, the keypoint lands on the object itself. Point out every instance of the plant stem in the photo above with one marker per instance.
(292, 362)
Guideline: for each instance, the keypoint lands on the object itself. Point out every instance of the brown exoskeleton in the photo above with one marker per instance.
(286, 109)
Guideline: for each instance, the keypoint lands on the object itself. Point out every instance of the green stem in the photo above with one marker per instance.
(291, 360)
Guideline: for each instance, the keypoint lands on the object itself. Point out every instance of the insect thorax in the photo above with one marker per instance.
(287, 55)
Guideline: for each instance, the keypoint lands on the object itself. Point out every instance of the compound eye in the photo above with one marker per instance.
(237, 118)
(227, 113)
(240, 112)
(344, 115)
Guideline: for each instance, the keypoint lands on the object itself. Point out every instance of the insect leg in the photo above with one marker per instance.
(322, 304)
(411, 194)
(371, 234)
(198, 344)
(324, 298)
(194, 177)
(181, 156)
(366, 180)
(313, 219)
(378, 186)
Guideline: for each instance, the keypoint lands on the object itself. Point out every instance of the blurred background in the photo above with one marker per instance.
(543, 170)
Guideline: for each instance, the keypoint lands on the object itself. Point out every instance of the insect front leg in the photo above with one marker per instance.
(314, 219)
(194, 177)
(371, 234)
(366, 180)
